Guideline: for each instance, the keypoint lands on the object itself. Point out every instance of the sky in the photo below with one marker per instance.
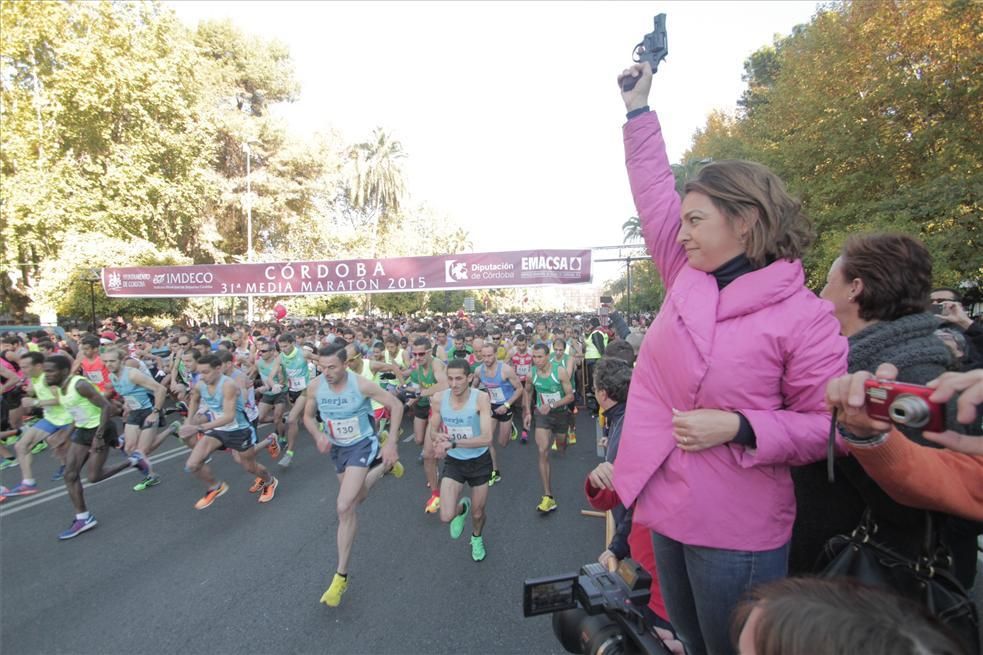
(509, 111)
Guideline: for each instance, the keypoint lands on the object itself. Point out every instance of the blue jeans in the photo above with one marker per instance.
(702, 586)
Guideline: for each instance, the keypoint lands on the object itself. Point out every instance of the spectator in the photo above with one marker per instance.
(952, 314)
(728, 390)
(826, 617)
(612, 378)
(926, 478)
(879, 287)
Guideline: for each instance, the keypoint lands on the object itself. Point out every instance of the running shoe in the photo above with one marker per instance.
(286, 459)
(12, 439)
(59, 474)
(211, 495)
(525, 437)
(78, 527)
(553, 447)
(433, 504)
(515, 432)
(149, 481)
(457, 523)
(3, 493)
(8, 463)
(495, 477)
(140, 462)
(281, 441)
(397, 470)
(477, 548)
(39, 447)
(419, 458)
(546, 505)
(274, 448)
(383, 435)
(22, 490)
(256, 486)
(332, 597)
(269, 490)
(571, 438)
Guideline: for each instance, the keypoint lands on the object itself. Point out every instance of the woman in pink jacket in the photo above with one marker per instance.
(728, 389)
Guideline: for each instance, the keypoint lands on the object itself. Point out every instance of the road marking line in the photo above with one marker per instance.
(52, 494)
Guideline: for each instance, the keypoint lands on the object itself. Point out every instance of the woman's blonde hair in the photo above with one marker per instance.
(778, 228)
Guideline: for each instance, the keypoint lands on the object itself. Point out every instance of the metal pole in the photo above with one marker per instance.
(92, 301)
(628, 291)
(249, 225)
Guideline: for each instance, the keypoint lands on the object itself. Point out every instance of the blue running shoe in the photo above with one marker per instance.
(140, 462)
(22, 489)
(78, 527)
(59, 474)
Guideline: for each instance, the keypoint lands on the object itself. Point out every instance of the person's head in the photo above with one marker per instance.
(47, 347)
(945, 294)
(810, 615)
(421, 351)
(459, 377)
(540, 355)
(203, 346)
(611, 379)
(392, 345)
(225, 345)
(353, 357)
(32, 363)
(878, 277)
(459, 339)
(621, 350)
(183, 342)
(286, 341)
(521, 343)
(495, 336)
(735, 207)
(56, 370)
(559, 348)
(114, 358)
(226, 359)
(89, 346)
(332, 361)
(441, 335)
(595, 323)
(210, 369)
(489, 354)
(190, 359)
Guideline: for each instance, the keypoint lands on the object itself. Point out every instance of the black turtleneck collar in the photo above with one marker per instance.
(732, 270)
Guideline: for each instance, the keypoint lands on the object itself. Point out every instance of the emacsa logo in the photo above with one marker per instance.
(455, 271)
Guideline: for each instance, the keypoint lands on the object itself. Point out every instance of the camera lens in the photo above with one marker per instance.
(909, 410)
(579, 632)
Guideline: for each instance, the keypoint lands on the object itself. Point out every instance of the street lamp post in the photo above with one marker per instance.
(249, 224)
(92, 277)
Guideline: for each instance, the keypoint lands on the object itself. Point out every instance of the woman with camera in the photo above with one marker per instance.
(879, 286)
(727, 392)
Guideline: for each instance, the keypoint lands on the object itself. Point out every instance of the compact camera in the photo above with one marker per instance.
(904, 404)
(597, 611)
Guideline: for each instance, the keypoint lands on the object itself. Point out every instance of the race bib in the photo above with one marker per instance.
(523, 369)
(297, 383)
(497, 395)
(345, 429)
(550, 397)
(94, 377)
(132, 402)
(456, 433)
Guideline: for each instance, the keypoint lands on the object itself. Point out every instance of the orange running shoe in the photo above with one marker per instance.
(257, 485)
(274, 448)
(209, 498)
(269, 490)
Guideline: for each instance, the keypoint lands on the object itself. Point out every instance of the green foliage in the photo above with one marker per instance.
(871, 114)
(647, 291)
(64, 288)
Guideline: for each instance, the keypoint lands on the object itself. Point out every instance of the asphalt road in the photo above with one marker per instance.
(158, 576)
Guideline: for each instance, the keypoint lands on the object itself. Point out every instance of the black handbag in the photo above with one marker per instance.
(927, 580)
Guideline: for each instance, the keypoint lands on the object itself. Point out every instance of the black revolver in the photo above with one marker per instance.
(653, 49)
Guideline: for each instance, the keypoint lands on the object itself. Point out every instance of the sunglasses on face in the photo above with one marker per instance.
(419, 354)
(184, 343)
(265, 350)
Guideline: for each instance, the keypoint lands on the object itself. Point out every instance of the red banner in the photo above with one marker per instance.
(468, 271)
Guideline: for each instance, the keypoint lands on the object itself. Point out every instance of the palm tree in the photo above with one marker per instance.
(376, 183)
(632, 229)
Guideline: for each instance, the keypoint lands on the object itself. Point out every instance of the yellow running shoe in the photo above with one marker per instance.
(397, 470)
(433, 504)
(554, 445)
(571, 438)
(332, 597)
(546, 505)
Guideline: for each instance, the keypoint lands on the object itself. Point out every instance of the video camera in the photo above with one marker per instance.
(407, 393)
(597, 611)
(653, 49)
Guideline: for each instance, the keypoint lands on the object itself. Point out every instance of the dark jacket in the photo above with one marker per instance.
(825, 510)
(614, 418)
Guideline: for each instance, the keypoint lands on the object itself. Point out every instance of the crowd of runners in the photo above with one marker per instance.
(469, 387)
